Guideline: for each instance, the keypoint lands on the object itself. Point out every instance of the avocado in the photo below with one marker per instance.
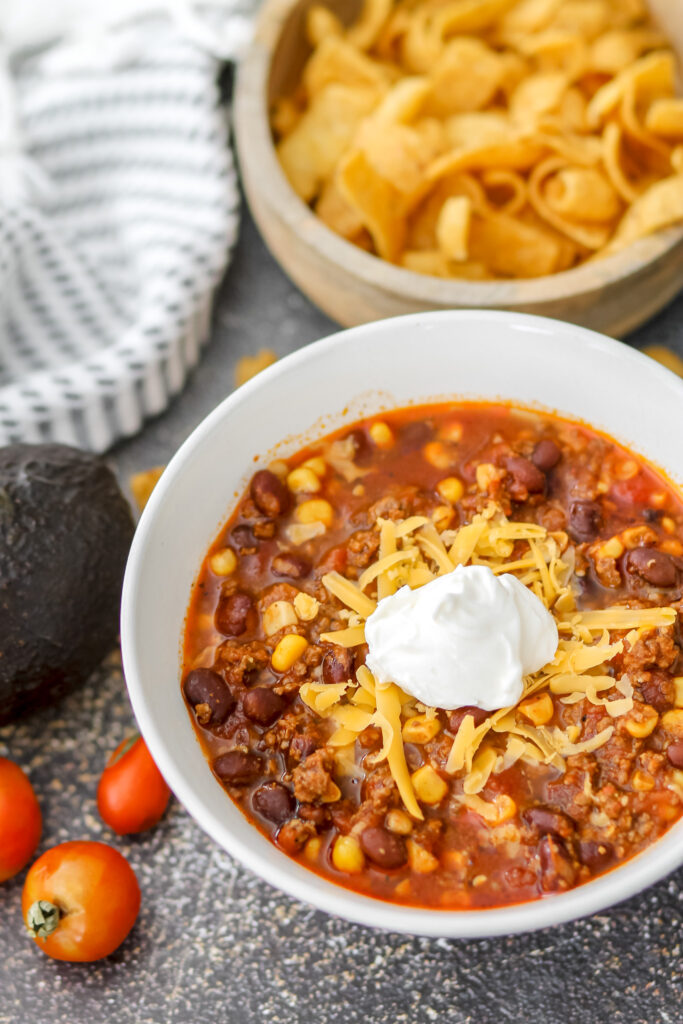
(65, 531)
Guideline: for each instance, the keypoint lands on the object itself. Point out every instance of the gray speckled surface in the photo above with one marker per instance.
(213, 943)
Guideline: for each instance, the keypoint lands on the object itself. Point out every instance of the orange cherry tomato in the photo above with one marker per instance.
(80, 900)
(132, 795)
(20, 819)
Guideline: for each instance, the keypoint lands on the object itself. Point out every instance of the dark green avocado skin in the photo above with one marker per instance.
(65, 531)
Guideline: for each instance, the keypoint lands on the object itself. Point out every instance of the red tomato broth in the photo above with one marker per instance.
(486, 866)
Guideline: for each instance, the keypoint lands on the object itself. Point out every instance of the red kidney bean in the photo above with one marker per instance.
(525, 474)
(289, 564)
(204, 689)
(238, 767)
(361, 445)
(337, 665)
(243, 539)
(262, 705)
(269, 493)
(595, 856)
(659, 690)
(557, 870)
(547, 822)
(302, 745)
(416, 434)
(383, 847)
(675, 753)
(585, 518)
(455, 719)
(318, 816)
(546, 454)
(274, 802)
(232, 612)
(656, 567)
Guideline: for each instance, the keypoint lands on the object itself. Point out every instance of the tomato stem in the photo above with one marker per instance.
(42, 919)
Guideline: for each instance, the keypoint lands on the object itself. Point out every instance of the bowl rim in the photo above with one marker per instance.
(255, 148)
(274, 866)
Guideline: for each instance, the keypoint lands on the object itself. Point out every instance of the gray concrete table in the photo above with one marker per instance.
(216, 945)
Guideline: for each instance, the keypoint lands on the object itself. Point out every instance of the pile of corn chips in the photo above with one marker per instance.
(485, 139)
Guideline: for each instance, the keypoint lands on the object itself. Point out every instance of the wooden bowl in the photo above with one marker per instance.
(613, 295)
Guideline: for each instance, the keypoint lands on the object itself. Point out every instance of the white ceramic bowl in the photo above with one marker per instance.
(466, 354)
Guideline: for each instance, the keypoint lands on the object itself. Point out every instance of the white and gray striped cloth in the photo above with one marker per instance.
(118, 212)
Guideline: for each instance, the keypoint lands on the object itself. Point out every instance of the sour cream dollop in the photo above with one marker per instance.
(465, 638)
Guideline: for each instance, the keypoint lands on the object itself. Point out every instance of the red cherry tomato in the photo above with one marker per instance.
(132, 795)
(20, 819)
(80, 900)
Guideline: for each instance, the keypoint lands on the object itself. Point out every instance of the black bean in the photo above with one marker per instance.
(262, 705)
(456, 717)
(652, 565)
(238, 767)
(525, 474)
(675, 753)
(302, 745)
(595, 856)
(318, 816)
(337, 665)
(548, 822)
(289, 564)
(274, 801)
(416, 434)
(362, 449)
(232, 614)
(269, 493)
(585, 518)
(546, 454)
(383, 847)
(205, 689)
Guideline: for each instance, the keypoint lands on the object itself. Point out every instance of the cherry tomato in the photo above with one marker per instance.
(132, 795)
(20, 819)
(80, 900)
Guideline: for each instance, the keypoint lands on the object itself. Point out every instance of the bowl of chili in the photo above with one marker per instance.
(385, 456)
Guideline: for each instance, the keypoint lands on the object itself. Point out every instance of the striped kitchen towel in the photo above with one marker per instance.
(118, 213)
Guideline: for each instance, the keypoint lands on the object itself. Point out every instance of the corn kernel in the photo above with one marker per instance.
(430, 788)
(452, 432)
(279, 467)
(331, 794)
(626, 470)
(642, 726)
(347, 855)
(673, 722)
(381, 434)
(642, 782)
(303, 481)
(399, 822)
(248, 366)
(442, 516)
(278, 615)
(358, 491)
(315, 510)
(403, 889)
(672, 546)
(486, 474)
(658, 499)
(287, 651)
(678, 699)
(637, 535)
(317, 464)
(437, 455)
(421, 729)
(478, 881)
(454, 860)
(612, 548)
(312, 849)
(222, 563)
(505, 808)
(306, 607)
(450, 489)
(420, 860)
(539, 709)
(668, 524)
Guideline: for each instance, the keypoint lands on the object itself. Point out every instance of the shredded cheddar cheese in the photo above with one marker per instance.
(413, 552)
